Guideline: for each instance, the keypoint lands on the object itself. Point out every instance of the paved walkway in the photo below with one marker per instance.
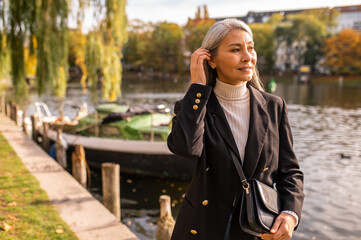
(86, 216)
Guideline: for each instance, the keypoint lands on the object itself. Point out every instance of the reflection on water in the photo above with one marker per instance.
(326, 124)
(327, 143)
(326, 95)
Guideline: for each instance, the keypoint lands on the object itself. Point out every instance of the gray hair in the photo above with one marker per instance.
(214, 38)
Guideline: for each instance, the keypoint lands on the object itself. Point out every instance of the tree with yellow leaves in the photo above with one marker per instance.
(164, 50)
(265, 41)
(343, 52)
(108, 42)
(196, 29)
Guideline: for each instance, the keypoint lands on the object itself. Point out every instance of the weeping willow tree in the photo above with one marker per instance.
(4, 50)
(40, 28)
(17, 18)
(36, 32)
(77, 44)
(94, 60)
(21, 15)
(105, 50)
(52, 45)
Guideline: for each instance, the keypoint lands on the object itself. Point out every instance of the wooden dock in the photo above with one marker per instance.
(85, 215)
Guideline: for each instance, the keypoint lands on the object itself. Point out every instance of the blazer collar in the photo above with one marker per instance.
(258, 128)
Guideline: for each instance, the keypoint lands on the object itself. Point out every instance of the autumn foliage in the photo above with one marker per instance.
(196, 29)
(343, 52)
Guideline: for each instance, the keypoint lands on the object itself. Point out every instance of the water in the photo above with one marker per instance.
(332, 209)
(326, 125)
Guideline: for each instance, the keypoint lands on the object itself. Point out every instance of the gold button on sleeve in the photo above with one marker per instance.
(199, 95)
(194, 232)
(195, 107)
(197, 101)
(205, 203)
(207, 169)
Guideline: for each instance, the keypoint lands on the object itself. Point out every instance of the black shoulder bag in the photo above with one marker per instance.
(260, 204)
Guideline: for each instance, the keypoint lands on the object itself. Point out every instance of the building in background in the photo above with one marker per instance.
(260, 17)
(350, 16)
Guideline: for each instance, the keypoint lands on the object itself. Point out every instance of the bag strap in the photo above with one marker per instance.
(248, 197)
(244, 182)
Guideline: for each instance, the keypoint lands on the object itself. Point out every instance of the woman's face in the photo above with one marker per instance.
(236, 58)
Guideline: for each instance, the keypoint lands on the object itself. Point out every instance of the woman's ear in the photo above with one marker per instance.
(212, 63)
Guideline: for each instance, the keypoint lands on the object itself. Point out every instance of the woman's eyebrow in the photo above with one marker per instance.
(239, 44)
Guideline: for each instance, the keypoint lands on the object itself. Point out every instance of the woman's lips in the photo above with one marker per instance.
(245, 69)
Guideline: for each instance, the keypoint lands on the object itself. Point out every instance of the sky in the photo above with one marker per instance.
(178, 11)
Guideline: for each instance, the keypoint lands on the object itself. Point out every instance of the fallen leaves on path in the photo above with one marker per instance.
(6, 227)
(59, 230)
(12, 204)
(11, 217)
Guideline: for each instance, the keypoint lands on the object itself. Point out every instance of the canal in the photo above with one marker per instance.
(326, 124)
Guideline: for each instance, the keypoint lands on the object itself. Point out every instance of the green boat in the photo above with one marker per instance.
(123, 122)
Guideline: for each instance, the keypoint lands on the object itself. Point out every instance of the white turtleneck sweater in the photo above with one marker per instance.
(234, 100)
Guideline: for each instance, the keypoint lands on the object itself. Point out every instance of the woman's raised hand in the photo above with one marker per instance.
(197, 70)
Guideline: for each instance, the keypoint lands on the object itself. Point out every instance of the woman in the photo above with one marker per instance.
(226, 109)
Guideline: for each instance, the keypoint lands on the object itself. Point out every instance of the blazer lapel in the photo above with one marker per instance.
(221, 123)
(258, 127)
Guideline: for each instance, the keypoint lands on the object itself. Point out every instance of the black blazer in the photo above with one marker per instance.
(200, 130)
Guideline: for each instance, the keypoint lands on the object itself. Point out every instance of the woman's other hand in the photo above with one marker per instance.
(282, 228)
(197, 69)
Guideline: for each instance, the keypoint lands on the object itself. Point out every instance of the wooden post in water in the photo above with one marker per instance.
(60, 151)
(15, 114)
(166, 222)
(2, 104)
(35, 129)
(79, 165)
(111, 188)
(8, 109)
(12, 111)
(24, 124)
(46, 140)
(5, 107)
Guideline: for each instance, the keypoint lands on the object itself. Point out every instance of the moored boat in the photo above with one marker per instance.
(133, 138)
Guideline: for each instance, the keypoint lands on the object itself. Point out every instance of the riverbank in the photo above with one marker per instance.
(180, 80)
(315, 79)
(26, 212)
(336, 79)
(84, 215)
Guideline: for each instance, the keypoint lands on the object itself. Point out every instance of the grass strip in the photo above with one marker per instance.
(25, 210)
